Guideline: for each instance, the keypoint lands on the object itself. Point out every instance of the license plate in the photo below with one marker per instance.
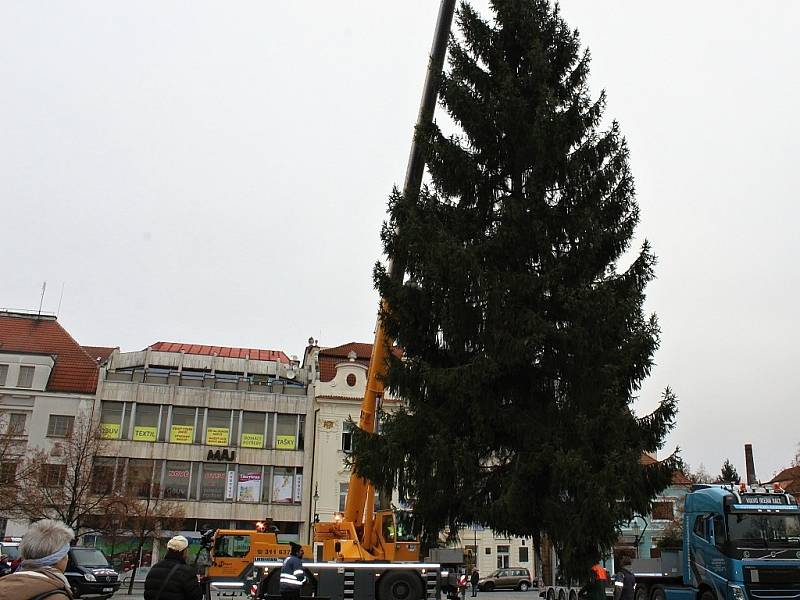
(108, 590)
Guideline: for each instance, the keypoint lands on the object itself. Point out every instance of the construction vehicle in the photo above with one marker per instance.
(233, 552)
(739, 543)
(363, 552)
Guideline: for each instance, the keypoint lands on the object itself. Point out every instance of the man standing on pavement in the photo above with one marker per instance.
(172, 578)
(292, 576)
(624, 581)
(473, 580)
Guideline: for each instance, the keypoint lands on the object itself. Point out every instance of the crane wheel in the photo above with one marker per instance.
(400, 585)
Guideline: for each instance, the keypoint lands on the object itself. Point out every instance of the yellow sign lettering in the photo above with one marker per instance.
(252, 440)
(285, 442)
(217, 436)
(181, 434)
(109, 431)
(144, 434)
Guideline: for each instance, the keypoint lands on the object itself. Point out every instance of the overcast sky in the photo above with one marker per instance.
(218, 173)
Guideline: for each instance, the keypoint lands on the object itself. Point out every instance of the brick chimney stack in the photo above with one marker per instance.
(749, 465)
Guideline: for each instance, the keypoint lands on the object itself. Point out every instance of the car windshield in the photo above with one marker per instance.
(89, 557)
(12, 552)
(762, 530)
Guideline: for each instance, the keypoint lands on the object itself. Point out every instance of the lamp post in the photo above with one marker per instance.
(638, 531)
(316, 498)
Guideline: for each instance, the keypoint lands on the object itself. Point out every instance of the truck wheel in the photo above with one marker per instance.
(658, 594)
(400, 585)
(523, 586)
(551, 595)
(641, 593)
(707, 595)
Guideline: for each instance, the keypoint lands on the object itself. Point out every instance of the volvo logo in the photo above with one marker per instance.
(747, 554)
(798, 555)
(772, 554)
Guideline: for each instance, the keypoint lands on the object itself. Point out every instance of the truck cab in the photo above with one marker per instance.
(739, 543)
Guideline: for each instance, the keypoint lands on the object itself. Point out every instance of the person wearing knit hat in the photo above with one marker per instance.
(171, 578)
(44, 549)
(292, 574)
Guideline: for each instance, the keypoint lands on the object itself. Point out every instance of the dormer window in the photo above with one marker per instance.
(25, 378)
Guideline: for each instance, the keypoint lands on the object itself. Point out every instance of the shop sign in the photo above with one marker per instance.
(181, 434)
(285, 442)
(252, 440)
(217, 436)
(230, 485)
(144, 434)
(109, 431)
(222, 455)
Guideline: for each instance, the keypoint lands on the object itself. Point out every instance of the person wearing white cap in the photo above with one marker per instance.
(44, 550)
(171, 578)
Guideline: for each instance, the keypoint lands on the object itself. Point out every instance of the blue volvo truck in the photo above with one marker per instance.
(739, 543)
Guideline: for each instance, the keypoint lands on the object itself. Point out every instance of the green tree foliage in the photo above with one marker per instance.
(728, 473)
(524, 343)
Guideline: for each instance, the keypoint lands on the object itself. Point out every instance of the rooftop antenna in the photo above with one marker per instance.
(60, 298)
(41, 300)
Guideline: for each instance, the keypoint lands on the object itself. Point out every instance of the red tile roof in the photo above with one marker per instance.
(678, 478)
(224, 351)
(74, 371)
(790, 474)
(330, 357)
(99, 353)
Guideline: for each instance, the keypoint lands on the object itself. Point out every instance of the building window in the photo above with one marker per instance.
(16, 424)
(249, 485)
(3, 375)
(103, 471)
(212, 486)
(140, 478)
(663, 511)
(503, 556)
(53, 475)
(347, 436)
(182, 429)
(253, 429)
(283, 485)
(60, 426)
(218, 427)
(488, 551)
(523, 554)
(25, 378)
(8, 472)
(343, 487)
(177, 479)
(286, 433)
(111, 420)
(145, 425)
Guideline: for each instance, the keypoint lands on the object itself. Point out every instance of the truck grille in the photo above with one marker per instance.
(772, 583)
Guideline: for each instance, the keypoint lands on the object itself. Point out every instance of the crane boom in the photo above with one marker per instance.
(360, 497)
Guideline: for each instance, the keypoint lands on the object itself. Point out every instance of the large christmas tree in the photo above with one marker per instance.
(524, 343)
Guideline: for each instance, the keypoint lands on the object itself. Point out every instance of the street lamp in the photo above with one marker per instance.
(316, 498)
(638, 531)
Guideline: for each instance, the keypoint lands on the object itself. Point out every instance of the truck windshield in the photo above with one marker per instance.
(760, 530)
(405, 526)
(88, 557)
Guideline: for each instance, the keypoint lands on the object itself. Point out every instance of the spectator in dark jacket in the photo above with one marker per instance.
(175, 579)
(624, 581)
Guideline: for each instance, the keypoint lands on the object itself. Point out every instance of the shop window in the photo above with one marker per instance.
(140, 477)
(177, 478)
(213, 482)
(60, 426)
(286, 433)
(252, 430)
(182, 429)
(218, 427)
(283, 485)
(145, 425)
(249, 483)
(111, 420)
